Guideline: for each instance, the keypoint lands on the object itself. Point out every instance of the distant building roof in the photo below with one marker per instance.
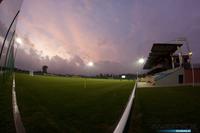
(158, 51)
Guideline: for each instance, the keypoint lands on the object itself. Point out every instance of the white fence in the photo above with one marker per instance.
(123, 121)
(16, 113)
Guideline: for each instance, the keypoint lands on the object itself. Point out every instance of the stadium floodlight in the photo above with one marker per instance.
(90, 64)
(123, 76)
(190, 53)
(141, 61)
(18, 40)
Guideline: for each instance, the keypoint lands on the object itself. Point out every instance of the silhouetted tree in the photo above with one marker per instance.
(44, 69)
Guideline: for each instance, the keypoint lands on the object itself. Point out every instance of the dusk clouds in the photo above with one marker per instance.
(67, 34)
(33, 61)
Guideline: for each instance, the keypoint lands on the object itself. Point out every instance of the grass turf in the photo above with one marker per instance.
(6, 117)
(60, 104)
(166, 108)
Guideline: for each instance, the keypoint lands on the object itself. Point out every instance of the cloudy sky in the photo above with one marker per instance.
(66, 35)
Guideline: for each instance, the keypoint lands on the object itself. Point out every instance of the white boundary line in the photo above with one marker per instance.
(122, 123)
(16, 114)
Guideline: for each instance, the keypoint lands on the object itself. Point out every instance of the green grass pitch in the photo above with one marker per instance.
(6, 116)
(59, 104)
(167, 108)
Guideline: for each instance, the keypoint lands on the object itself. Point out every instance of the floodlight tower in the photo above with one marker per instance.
(18, 41)
(190, 57)
(185, 41)
(88, 65)
(140, 62)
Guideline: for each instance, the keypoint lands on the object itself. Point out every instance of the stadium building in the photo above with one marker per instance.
(167, 65)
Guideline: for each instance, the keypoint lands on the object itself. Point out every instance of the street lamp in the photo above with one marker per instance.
(89, 64)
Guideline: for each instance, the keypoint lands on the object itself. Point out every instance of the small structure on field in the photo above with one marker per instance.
(31, 73)
(44, 69)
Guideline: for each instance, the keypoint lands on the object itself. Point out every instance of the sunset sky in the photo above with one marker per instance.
(67, 34)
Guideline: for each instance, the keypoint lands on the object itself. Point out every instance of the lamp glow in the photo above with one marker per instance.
(90, 64)
(123, 76)
(141, 61)
(18, 40)
(190, 53)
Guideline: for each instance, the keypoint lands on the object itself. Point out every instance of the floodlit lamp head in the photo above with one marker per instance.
(18, 40)
(123, 76)
(141, 61)
(190, 53)
(90, 64)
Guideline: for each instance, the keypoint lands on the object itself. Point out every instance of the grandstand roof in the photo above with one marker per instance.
(160, 50)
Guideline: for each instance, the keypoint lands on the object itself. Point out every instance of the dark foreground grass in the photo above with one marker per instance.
(166, 108)
(60, 104)
(6, 117)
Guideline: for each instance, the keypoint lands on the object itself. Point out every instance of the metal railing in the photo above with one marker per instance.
(123, 121)
(16, 113)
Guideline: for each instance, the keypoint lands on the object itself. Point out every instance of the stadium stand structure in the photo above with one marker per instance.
(168, 66)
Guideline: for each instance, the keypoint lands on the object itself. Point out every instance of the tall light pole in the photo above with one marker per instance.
(19, 41)
(184, 40)
(192, 67)
(140, 62)
(88, 65)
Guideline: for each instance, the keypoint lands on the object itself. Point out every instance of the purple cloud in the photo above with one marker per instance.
(113, 34)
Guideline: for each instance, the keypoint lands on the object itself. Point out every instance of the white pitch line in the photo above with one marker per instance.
(16, 114)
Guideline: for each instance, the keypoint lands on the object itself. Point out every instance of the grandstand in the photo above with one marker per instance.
(168, 65)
